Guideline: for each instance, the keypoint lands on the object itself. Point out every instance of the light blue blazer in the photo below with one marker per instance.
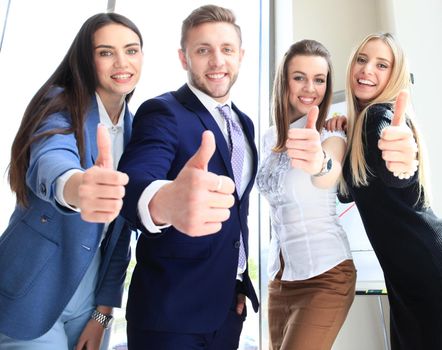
(46, 248)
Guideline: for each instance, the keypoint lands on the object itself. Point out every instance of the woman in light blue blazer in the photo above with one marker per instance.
(62, 266)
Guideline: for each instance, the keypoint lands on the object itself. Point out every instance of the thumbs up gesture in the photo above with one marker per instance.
(197, 201)
(101, 190)
(104, 157)
(304, 145)
(397, 143)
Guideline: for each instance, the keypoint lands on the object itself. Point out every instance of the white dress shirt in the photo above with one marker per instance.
(304, 223)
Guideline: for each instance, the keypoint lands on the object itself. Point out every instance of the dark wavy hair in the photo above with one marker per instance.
(77, 80)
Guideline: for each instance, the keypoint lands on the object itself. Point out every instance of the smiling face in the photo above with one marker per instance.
(212, 58)
(371, 70)
(118, 60)
(307, 80)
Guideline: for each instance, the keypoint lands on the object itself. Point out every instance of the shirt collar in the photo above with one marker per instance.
(104, 117)
(299, 123)
(208, 101)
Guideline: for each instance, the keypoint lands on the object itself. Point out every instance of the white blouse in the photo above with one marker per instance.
(304, 224)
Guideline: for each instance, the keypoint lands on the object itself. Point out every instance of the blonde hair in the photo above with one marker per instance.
(399, 80)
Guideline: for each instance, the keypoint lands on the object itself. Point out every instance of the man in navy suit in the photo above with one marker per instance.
(189, 285)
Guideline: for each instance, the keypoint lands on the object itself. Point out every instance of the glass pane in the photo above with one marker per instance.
(34, 45)
(36, 38)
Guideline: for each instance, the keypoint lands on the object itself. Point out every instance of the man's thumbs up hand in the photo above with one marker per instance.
(197, 202)
(201, 158)
(304, 145)
(397, 143)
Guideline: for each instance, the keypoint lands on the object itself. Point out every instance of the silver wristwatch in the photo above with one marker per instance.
(326, 165)
(104, 320)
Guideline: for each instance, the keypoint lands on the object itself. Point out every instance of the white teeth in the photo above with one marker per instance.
(306, 99)
(121, 76)
(366, 82)
(215, 76)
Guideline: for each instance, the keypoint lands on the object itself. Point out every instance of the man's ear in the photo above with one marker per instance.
(183, 59)
(241, 55)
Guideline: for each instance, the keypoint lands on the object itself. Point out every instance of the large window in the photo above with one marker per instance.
(37, 36)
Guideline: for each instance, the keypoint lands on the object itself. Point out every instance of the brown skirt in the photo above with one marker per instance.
(308, 314)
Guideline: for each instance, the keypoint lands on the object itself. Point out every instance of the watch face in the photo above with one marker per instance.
(329, 165)
(325, 168)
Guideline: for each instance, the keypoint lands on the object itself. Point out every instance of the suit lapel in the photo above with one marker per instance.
(92, 120)
(127, 125)
(191, 102)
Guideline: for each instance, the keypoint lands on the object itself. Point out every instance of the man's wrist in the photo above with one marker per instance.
(155, 209)
(143, 206)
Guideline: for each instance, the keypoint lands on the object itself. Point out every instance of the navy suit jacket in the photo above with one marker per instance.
(46, 248)
(182, 284)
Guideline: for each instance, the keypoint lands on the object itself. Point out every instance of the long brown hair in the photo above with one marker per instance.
(281, 92)
(69, 89)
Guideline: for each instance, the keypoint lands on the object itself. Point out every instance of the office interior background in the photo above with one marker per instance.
(34, 36)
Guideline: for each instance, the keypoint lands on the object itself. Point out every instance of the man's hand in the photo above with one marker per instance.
(197, 201)
(304, 145)
(398, 146)
(101, 190)
(240, 303)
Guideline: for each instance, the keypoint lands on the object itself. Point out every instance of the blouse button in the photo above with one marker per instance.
(114, 129)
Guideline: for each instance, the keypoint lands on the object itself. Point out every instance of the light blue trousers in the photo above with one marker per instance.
(67, 329)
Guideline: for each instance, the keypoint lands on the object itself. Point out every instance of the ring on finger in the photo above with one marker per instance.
(220, 184)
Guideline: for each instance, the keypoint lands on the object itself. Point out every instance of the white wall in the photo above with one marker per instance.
(419, 28)
(366, 326)
(331, 23)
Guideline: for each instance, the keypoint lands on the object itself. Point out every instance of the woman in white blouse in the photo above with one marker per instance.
(310, 265)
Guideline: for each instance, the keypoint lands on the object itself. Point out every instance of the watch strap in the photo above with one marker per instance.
(101, 318)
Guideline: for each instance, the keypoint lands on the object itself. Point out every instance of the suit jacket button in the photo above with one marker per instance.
(43, 189)
(43, 219)
(237, 244)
